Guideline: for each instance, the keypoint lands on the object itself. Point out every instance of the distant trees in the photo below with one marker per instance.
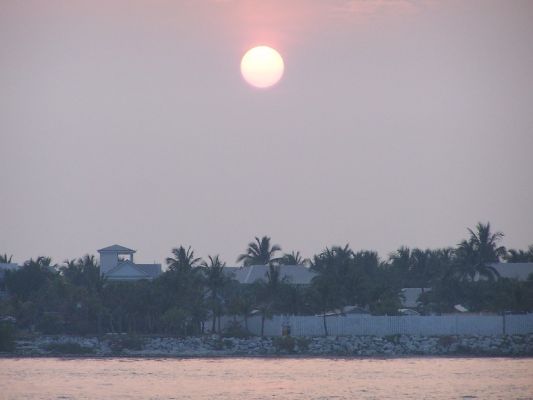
(32, 277)
(420, 268)
(269, 293)
(259, 252)
(293, 258)
(84, 271)
(476, 253)
(216, 281)
(516, 256)
(183, 259)
(327, 285)
(242, 301)
(348, 278)
(184, 290)
(74, 298)
(5, 259)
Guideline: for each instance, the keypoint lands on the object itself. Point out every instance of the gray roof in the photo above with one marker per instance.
(153, 270)
(295, 274)
(116, 249)
(520, 271)
(149, 270)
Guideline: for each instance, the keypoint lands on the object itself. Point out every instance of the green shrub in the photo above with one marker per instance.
(126, 342)
(69, 348)
(284, 344)
(235, 329)
(218, 344)
(446, 341)
(462, 349)
(303, 343)
(51, 324)
(394, 339)
(7, 337)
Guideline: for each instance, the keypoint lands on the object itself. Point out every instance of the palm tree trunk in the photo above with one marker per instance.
(214, 321)
(99, 323)
(262, 324)
(325, 324)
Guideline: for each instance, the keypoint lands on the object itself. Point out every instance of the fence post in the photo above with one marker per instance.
(504, 328)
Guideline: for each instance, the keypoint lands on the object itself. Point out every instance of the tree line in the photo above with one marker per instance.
(192, 294)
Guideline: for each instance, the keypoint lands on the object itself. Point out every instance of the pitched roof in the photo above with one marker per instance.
(153, 270)
(136, 271)
(295, 274)
(520, 271)
(117, 249)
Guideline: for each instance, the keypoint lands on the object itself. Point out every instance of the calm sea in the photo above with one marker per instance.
(407, 378)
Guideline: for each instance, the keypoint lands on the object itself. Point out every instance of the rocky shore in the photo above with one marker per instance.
(215, 346)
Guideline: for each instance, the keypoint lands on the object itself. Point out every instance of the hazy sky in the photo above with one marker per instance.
(396, 123)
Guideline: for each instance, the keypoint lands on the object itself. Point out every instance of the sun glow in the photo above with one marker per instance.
(262, 67)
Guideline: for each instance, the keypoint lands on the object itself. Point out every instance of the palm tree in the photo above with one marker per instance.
(91, 272)
(242, 301)
(440, 263)
(269, 292)
(259, 252)
(70, 270)
(183, 259)
(329, 285)
(294, 258)
(475, 254)
(517, 256)
(46, 263)
(215, 280)
(83, 272)
(34, 275)
(401, 263)
(485, 243)
(425, 267)
(5, 259)
(365, 278)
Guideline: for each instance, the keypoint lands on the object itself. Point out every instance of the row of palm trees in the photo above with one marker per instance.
(261, 252)
(192, 289)
(345, 277)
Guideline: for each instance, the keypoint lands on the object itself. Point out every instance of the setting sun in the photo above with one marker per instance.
(262, 67)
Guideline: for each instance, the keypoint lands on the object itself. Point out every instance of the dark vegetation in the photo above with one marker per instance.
(192, 294)
(69, 348)
(7, 337)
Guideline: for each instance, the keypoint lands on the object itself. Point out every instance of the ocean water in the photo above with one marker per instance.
(271, 378)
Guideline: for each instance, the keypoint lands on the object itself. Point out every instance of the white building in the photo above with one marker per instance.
(115, 267)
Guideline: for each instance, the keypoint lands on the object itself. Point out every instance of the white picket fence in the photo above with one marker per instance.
(392, 325)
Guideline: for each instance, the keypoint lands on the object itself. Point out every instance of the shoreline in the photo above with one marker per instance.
(214, 346)
(12, 356)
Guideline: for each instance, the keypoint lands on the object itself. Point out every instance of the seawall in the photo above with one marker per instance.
(215, 346)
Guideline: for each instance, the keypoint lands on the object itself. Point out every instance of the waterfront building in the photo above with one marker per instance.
(116, 264)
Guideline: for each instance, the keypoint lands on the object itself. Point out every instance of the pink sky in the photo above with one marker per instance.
(396, 123)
